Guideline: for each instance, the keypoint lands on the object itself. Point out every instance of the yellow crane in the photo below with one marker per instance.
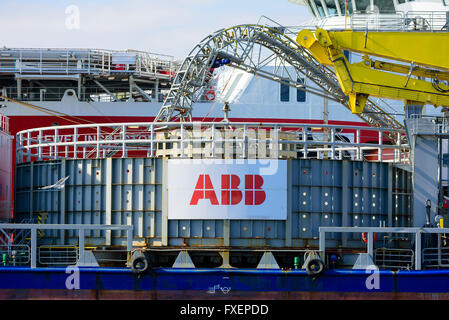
(424, 55)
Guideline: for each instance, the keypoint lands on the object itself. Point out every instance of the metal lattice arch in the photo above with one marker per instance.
(251, 48)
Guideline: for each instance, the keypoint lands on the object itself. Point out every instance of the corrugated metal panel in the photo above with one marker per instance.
(323, 193)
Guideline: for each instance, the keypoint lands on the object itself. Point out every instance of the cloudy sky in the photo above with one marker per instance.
(162, 26)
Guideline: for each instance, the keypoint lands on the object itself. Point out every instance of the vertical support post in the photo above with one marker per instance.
(129, 244)
(213, 141)
(322, 244)
(333, 143)
(370, 248)
(418, 250)
(124, 151)
(98, 141)
(75, 140)
(33, 247)
(381, 148)
(152, 153)
(79, 86)
(304, 139)
(131, 84)
(129, 239)
(62, 205)
(359, 151)
(245, 143)
(81, 243)
(28, 144)
(156, 90)
(164, 222)
(108, 211)
(31, 189)
(39, 152)
(19, 88)
(182, 140)
(275, 143)
(56, 140)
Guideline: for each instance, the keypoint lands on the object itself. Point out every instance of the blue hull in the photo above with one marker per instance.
(104, 283)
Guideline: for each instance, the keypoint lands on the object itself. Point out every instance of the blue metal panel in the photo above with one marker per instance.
(137, 188)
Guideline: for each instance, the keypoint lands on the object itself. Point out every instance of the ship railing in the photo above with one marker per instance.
(212, 140)
(437, 256)
(4, 123)
(69, 255)
(42, 61)
(410, 21)
(402, 21)
(91, 94)
(58, 255)
(52, 255)
(394, 258)
(422, 254)
(14, 255)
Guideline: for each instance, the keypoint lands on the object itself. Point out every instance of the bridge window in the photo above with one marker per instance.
(331, 7)
(385, 6)
(362, 5)
(342, 6)
(285, 92)
(300, 94)
(320, 8)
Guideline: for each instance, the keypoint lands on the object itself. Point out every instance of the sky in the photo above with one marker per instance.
(170, 27)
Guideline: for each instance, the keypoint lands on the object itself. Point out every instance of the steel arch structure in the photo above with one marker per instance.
(251, 48)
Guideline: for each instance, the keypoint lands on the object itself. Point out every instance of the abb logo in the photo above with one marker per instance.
(230, 192)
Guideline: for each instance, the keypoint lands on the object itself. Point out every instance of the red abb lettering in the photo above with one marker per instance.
(204, 190)
(230, 192)
(254, 195)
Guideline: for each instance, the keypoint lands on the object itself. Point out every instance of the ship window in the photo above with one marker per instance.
(332, 7)
(362, 5)
(446, 2)
(1, 189)
(319, 7)
(300, 94)
(342, 6)
(285, 92)
(385, 6)
(401, 1)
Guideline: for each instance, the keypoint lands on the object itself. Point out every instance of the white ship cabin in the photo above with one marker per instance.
(398, 15)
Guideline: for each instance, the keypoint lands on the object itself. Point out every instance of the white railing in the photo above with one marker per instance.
(420, 251)
(4, 123)
(42, 61)
(34, 249)
(401, 21)
(209, 140)
(397, 21)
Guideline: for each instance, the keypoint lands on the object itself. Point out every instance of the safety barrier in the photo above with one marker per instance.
(210, 140)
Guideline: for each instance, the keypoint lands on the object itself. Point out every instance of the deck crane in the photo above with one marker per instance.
(425, 55)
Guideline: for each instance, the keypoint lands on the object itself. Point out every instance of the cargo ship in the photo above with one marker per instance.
(244, 200)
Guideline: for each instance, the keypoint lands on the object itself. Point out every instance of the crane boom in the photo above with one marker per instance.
(425, 55)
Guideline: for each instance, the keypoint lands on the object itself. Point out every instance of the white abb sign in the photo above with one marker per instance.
(227, 189)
